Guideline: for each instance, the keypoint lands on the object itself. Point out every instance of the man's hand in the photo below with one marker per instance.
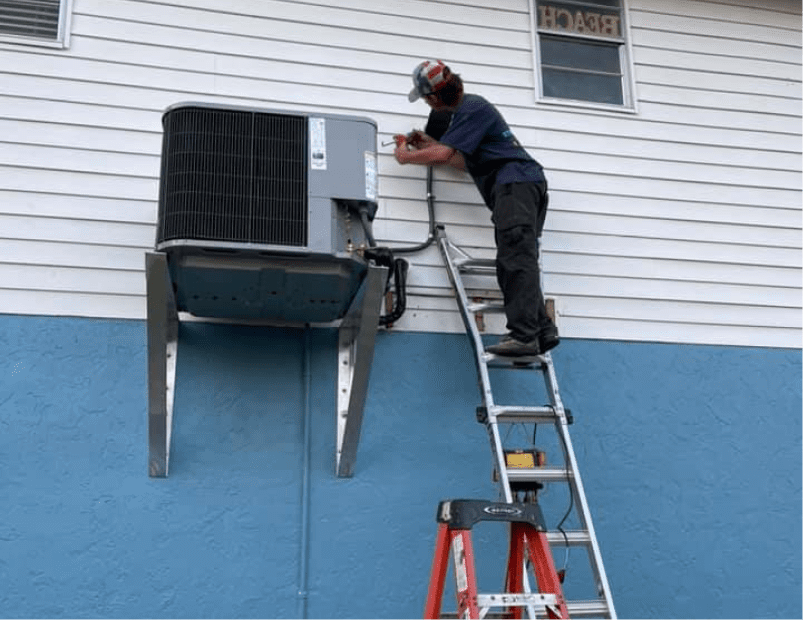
(401, 149)
(420, 140)
(426, 150)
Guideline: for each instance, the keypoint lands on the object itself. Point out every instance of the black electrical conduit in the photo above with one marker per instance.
(431, 209)
(398, 267)
(437, 124)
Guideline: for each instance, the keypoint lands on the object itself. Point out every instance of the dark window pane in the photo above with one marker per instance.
(564, 84)
(579, 55)
(30, 18)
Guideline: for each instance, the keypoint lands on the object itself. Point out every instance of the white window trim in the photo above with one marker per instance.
(630, 104)
(62, 40)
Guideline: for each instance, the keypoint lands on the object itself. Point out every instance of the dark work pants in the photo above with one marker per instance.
(518, 215)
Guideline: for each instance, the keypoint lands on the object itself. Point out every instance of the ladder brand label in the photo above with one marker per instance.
(507, 511)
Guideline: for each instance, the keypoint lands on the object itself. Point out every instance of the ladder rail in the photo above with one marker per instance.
(484, 378)
(576, 485)
(476, 341)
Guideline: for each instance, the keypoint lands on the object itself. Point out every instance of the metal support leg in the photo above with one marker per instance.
(162, 351)
(357, 335)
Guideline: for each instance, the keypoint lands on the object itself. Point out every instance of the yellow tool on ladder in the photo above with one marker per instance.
(521, 472)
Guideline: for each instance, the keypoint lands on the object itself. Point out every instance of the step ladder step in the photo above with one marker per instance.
(535, 599)
(576, 609)
(538, 474)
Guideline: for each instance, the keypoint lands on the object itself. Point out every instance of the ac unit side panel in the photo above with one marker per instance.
(342, 171)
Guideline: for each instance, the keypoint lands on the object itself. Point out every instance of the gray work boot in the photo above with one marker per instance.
(510, 347)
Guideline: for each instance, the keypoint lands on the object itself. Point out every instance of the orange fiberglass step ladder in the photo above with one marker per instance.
(521, 471)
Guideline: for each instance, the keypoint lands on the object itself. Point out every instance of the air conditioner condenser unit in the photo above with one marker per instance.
(259, 210)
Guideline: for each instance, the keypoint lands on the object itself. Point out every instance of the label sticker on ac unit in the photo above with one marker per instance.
(317, 143)
(370, 176)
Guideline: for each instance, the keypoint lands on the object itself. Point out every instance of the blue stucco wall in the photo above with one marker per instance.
(691, 457)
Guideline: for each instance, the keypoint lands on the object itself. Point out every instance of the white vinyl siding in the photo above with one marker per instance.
(681, 223)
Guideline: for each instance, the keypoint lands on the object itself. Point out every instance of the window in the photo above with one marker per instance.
(44, 22)
(581, 51)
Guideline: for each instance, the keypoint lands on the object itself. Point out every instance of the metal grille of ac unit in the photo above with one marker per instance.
(237, 176)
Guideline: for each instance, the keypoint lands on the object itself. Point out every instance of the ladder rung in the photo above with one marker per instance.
(503, 361)
(510, 414)
(573, 538)
(537, 474)
(478, 271)
(485, 306)
(588, 609)
(477, 265)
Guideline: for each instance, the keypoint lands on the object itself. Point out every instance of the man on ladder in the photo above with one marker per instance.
(513, 186)
(511, 183)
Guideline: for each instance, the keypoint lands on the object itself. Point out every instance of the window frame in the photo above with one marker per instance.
(623, 42)
(62, 40)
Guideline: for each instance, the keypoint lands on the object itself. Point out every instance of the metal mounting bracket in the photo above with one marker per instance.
(356, 338)
(162, 350)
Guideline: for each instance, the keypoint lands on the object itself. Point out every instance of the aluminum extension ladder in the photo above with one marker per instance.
(518, 471)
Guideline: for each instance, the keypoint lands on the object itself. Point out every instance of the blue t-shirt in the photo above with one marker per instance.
(492, 153)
